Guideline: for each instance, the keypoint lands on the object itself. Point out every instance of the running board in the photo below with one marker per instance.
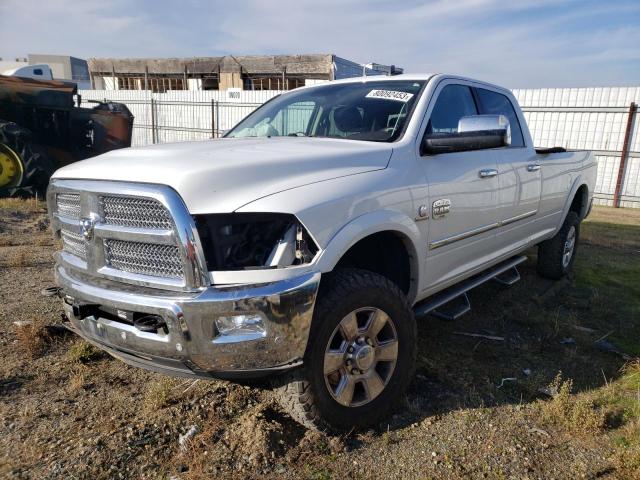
(508, 278)
(437, 304)
(454, 309)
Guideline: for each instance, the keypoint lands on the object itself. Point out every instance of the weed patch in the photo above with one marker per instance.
(83, 352)
(32, 338)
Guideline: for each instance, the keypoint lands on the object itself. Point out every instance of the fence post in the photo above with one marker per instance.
(153, 121)
(626, 145)
(213, 118)
(217, 119)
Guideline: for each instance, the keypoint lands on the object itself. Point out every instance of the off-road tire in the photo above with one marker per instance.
(36, 164)
(550, 252)
(303, 393)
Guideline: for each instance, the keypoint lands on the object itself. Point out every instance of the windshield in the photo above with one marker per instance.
(374, 111)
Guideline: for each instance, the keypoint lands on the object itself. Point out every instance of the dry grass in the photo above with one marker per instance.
(6, 240)
(158, 394)
(78, 380)
(32, 338)
(83, 352)
(18, 257)
(21, 205)
(577, 414)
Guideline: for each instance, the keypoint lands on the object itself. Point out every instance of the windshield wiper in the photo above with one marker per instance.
(297, 134)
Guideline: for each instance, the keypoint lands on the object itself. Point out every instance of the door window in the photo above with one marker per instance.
(493, 103)
(453, 103)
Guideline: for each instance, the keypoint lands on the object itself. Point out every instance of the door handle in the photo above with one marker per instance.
(487, 173)
(534, 167)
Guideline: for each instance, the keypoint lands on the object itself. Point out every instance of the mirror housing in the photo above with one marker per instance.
(476, 132)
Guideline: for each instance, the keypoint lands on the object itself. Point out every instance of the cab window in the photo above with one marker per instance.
(493, 103)
(453, 103)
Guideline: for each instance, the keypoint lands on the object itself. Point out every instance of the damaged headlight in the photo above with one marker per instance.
(240, 241)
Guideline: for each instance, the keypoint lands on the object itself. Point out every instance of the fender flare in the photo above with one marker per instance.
(369, 224)
(577, 184)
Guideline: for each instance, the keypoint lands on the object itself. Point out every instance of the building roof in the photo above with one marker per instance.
(250, 64)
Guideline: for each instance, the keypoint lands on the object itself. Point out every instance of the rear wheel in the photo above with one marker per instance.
(556, 255)
(360, 358)
(25, 167)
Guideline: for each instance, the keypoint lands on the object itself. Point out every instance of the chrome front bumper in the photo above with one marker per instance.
(191, 346)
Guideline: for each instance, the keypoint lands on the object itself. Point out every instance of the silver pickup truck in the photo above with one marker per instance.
(304, 244)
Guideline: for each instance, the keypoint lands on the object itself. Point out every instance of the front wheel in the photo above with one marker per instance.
(361, 354)
(556, 255)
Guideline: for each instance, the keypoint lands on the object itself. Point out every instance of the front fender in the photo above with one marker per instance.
(369, 224)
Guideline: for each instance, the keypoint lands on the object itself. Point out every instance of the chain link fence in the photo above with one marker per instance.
(603, 120)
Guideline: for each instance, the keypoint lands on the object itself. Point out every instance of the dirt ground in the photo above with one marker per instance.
(549, 399)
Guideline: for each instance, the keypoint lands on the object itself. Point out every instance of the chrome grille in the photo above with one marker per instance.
(144, 258)
(73, 243)
(135, 212)
(68, 205)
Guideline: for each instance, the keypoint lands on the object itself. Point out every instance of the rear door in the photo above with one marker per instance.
(462, 192)
(518, 175)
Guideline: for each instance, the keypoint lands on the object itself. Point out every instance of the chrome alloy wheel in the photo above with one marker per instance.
(569, 246)
(360, 356)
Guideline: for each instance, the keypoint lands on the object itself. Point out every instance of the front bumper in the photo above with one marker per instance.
(191, 346)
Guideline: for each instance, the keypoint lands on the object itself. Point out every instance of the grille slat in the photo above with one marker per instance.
(135, 212)
(144, 258)
(68, 205)
(73, 243)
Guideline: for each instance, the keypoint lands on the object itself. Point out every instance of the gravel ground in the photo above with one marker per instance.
(474, 409)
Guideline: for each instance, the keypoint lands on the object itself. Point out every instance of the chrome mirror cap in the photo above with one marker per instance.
(478, 123)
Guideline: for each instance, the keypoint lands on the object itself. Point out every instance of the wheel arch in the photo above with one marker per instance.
(580, 200)
(356, 239)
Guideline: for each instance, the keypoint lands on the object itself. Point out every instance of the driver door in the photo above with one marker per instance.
(463, 194)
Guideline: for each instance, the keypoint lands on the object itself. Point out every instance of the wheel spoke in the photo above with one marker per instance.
(349, 327)
(376, 322)
(388, 351)
(333, 361)
(344, 391)
(373, 384)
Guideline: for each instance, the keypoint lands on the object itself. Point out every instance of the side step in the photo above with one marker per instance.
(508, 278)
(456, 294)
(454, 309)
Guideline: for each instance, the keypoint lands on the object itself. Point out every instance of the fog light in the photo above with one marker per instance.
(241, 327)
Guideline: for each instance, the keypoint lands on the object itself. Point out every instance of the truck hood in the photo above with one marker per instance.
(218, 176)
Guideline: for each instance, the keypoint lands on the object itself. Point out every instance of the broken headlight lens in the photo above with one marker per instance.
(240, 241)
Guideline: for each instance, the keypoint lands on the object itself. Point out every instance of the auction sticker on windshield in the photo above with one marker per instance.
(390, 95)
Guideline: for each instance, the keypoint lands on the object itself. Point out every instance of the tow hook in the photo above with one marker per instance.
(150, 323)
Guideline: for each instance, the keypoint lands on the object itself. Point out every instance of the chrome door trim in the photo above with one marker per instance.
(479, 230)
(462, 236)
(522, 216)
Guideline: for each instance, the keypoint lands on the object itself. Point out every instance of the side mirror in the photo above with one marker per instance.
(477, 132)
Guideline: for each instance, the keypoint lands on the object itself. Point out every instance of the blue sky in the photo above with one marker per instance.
(526, 43)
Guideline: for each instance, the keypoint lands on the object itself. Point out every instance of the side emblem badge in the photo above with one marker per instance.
(440, 208)
(86, 227)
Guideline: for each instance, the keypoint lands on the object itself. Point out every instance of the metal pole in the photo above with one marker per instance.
(153, 121)
(213, 119)
(146, 77)
(218, 119)
(624, 154)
